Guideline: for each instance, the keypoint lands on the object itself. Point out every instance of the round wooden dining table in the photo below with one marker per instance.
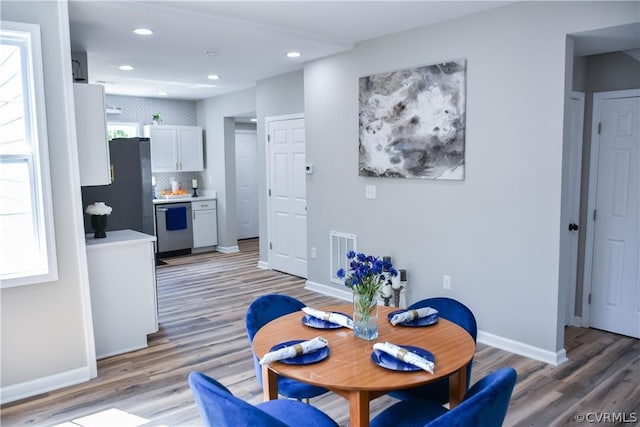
(349, 370)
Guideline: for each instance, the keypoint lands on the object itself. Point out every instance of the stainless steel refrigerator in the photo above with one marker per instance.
(130, 194)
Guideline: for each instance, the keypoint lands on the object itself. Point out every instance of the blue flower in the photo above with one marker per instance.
(366, 273)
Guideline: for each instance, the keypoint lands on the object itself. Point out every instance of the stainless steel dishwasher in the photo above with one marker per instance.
(170, 238)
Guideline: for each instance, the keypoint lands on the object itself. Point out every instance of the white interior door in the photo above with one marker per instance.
(574, 167)
(246, 184)
(615, 298)
(287, 196)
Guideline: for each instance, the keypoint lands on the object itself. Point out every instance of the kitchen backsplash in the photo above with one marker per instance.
(163, 180)
(140, 110)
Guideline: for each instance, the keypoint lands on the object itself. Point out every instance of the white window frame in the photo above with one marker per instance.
(46, 267)
(123, 124)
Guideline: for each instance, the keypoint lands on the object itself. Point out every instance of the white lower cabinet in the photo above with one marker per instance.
(205, 223)
(122, 282)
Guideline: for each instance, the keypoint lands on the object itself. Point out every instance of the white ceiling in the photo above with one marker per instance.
(249, 38)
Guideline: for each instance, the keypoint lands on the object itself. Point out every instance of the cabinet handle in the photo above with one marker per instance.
(177, 167)
(112, 173)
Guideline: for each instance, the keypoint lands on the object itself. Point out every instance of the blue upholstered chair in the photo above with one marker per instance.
(485, 405)
(455, 312)
(220, 408)
(263, 310)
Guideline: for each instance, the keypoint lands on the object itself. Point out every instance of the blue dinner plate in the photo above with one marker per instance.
(420, 321)
(314, 322)
(387, 361)
(305, 359)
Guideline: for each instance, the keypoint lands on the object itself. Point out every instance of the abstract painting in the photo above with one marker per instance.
(412, 122)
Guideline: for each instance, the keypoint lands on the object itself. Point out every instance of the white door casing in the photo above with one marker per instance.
(614, 235)
(246, 184)
(571, 223)
(286, 194)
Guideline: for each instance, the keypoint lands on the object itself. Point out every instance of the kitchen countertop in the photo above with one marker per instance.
(186, 198)
(118, 237)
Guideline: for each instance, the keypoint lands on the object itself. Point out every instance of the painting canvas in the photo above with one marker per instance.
(412, 122)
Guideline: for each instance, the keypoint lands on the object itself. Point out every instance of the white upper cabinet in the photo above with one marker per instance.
(164, 152)
(91, 130)
(175, 148)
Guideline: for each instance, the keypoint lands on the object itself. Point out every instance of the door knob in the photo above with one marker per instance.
(573, 227)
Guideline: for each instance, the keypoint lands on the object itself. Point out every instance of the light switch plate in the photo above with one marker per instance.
(370, 191)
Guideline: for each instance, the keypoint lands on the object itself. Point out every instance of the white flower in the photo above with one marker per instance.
(98, 208)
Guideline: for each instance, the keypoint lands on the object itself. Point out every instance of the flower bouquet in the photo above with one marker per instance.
(365, 278)
(99, 212)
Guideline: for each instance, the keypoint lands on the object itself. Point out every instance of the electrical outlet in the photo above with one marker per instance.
(313, 252)
(446, 281)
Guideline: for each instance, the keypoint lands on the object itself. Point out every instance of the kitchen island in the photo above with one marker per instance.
(122, 282)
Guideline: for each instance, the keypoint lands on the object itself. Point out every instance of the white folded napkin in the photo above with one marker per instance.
(409, 315)
(294, 350)
(337, 318)
(405, 355)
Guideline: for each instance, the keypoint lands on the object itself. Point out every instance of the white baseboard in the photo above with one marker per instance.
(42, 385)
(203, 249)
(264, 265)
(228, 249)
(487, 338)
(522, 349)
(576, 321)
(343, 294)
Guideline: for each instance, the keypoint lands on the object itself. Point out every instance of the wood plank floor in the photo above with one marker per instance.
(202, 300)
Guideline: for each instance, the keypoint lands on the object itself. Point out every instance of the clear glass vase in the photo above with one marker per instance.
(365, 317)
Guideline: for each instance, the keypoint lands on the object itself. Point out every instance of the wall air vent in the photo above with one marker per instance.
(339, 244)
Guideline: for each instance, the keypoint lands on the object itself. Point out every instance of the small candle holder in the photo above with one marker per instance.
(398, 285)
(194, 186)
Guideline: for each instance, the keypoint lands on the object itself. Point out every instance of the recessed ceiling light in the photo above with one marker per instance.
(162, 93)
(293, 54)
(143, 31)
(213, 77)
(125, 67)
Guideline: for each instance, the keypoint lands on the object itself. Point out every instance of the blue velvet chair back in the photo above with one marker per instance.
(455, 312)
(262, 311)
(220, 408)
(485, 404)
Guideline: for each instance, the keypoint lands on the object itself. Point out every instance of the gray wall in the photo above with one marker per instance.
(497, 232)
(276, 96)
(47, 335)
(606, 72)
(217, 116)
